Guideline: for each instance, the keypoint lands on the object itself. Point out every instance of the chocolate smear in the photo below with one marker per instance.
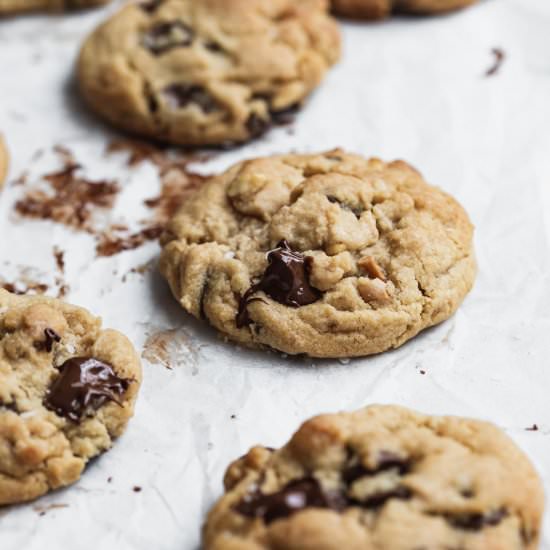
(285, 280)
(84, 383)
(70, 200)
(295, 496)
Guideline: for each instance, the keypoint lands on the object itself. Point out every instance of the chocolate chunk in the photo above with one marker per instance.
(150, 6)
(386, 461)
(167, 35)
(357, 210)
(84, 383)
(379, 499)
(476, 522)
(286, 280)
(50, 336)
(256, 125)
(295, 496)
(179, 96)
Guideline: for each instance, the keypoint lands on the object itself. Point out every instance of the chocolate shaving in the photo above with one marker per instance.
(499, 57)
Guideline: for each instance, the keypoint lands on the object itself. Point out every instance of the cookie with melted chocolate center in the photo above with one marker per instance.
(330, 255)
(381, 478)
(67, 391)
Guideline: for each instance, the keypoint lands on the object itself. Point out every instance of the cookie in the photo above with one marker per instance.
(212, 72)
(378, 9)
(16, 6)
(330, 255)
(381, 478)
(67, 390)
(4, 161)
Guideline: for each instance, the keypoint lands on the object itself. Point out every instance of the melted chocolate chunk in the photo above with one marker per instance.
(476, 522)
(167, 35)
(257, 126)
(84, 383)
(295, 496)
(179, 96)
(50, 336)
(286, 280)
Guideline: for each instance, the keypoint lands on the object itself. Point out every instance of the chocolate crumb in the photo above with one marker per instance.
(499, 57)
(59, 256)
(136, 489)
(533, 428)
(70, 199)
(109, 479)
(422, 371)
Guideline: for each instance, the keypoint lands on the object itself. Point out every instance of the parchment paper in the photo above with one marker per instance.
(407, 88)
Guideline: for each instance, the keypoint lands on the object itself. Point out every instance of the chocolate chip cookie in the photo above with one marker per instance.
(67, 390)
(330, 255)
(378, 9)
(381, 478)
(16, 6)
(4, 161)
(213, 72)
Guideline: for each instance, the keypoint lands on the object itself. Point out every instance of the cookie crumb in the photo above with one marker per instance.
(499, 57)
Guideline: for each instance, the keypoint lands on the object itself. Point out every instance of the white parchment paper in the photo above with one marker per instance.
(406, 88)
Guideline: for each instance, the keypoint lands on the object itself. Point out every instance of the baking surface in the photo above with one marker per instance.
(409, 88)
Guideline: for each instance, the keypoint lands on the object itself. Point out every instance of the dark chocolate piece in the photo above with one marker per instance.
(50, 337)
(379, 499)
(179, 96)
(476, 522)
(295, 496)
(84, 383)
(286, 280)
(257, 126)
(165, 36)
(285, 116)
(386, 461)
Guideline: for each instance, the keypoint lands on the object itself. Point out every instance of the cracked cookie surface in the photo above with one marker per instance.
(379, 9)
(361, 254)
(212, 72)
(17, 6)
(4, 161)
(381, 478)
(67, 390)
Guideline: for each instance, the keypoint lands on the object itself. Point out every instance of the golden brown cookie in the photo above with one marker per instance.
(208, 72)
(378, 9)
(331, 255)
(67, 390)
(381, 478)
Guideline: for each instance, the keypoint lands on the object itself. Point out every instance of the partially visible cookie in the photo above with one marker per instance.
(4, 161)
(378, 9)
(207, 72)
(67, 390)
(331, 255)
(17, 6)
(381, 478)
